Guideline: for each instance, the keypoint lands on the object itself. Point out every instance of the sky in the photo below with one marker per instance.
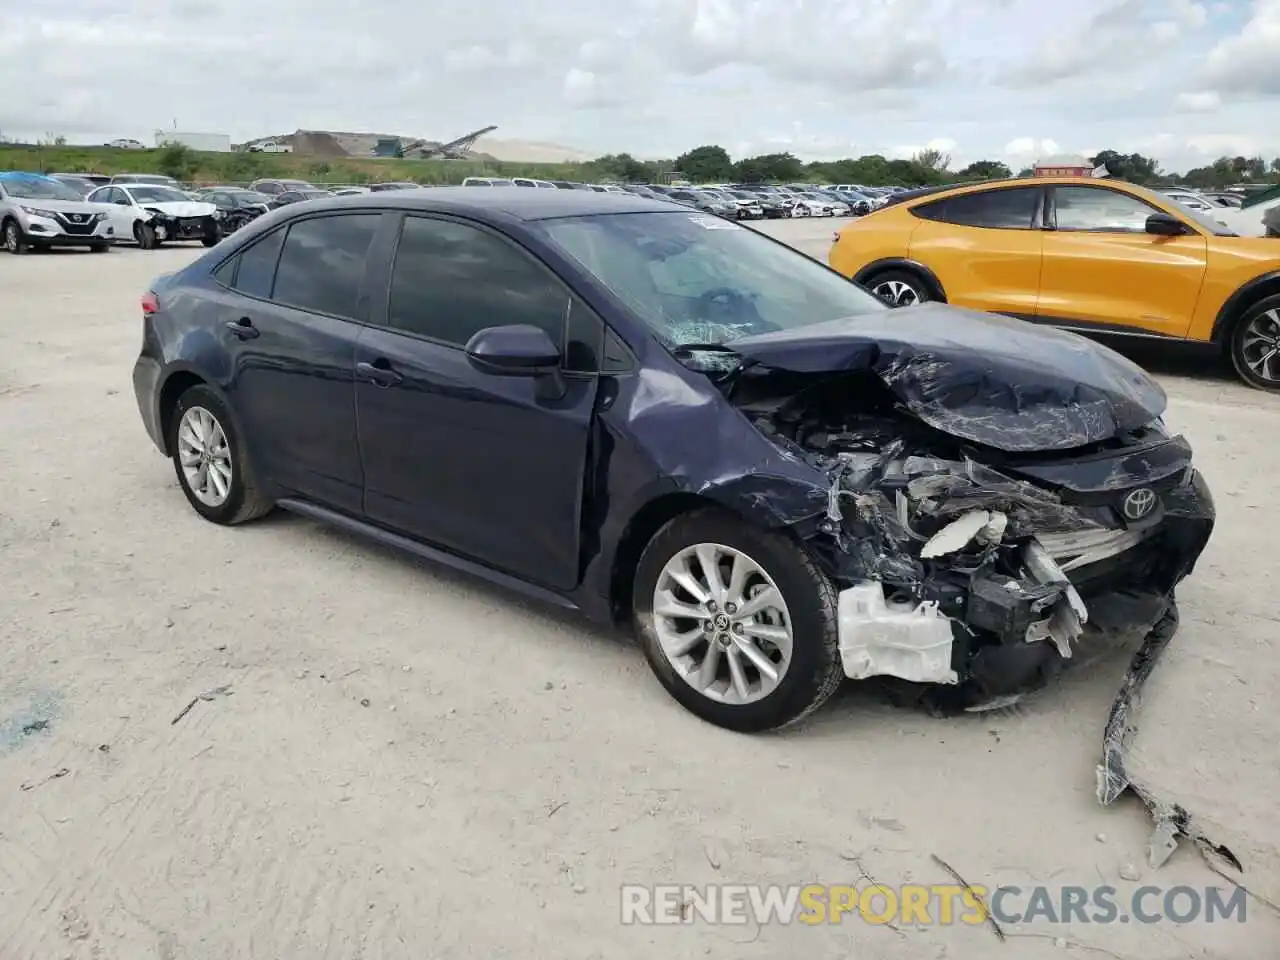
(1184, 81)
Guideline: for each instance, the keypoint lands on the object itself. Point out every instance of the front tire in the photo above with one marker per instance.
(210, 241)
(1255, 345)
(14, 242)
(752, 645)
(210, 460)
(145, 235)
(898, 288)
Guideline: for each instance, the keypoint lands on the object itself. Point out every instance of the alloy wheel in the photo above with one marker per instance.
(722, 623)
(205, 456)
(1260, 346)
(896, 293)
(12, 239)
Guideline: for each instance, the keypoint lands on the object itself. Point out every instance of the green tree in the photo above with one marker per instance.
(178, 161)
(782, 167)
(1275, 165)
(932, 159)
(1133, 167)
(985, 170)
(705, 164)
(623, 166)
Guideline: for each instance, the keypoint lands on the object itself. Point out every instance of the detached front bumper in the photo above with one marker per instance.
(184, 228)
(1013, 584)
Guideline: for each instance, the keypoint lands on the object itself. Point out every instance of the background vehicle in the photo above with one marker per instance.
(300, 196)
(150, 215)
(744, 209)
(344, 361)
(153, 178)
(770, 206)
(1093, 255)
(40, 212)
(701, 201)
(486, 182)
(79, 184)
(272, 187)
(394, 185)
(126, 143)
(237, 206)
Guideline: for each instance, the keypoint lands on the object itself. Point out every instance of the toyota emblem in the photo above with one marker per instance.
(1139, 503)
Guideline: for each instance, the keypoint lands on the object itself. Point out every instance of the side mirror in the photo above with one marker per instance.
(514, 350)
(1165, 225)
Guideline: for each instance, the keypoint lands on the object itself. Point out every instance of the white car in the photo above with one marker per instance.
(1192, 200)
(39, 212)
(149, 214)
(531, 182)
(487, 182)
(126, 144)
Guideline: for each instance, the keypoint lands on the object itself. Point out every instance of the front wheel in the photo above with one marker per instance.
(737, 623)
(210, 241)
(145, 235)
(899, 288)
(210, 460)
(100, 247)
(1255, 345)
(13, 239)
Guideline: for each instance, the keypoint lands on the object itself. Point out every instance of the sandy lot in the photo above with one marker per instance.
(405, 763)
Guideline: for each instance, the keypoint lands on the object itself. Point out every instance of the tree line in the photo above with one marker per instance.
(713, 164)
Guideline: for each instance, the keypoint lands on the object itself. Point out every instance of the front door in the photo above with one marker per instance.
(490, 467)
(1103, 270)
(292, 335)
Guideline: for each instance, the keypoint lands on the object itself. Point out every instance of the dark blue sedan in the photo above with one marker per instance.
(658, 416)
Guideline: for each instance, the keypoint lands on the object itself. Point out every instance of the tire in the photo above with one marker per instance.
(243, 500)
(814, 670)
(100, 247)
(12, 238)
(210, 241)
(899, 288)
(145, 235)
(1249, 342)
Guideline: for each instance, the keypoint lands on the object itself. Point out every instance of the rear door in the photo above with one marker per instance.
(984, 247)
(489, 466)
(1102, 269)
(291, 329)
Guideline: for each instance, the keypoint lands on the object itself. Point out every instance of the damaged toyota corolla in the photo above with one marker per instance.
(652, 414)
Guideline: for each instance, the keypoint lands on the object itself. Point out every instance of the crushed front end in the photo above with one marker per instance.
(979, 573)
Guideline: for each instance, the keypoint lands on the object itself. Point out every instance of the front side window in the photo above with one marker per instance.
(1011, 209)
(451, 280)
(323, 263)
(1100, 210)
(697, 279)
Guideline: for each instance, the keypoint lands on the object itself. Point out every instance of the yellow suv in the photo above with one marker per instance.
(1087, 254)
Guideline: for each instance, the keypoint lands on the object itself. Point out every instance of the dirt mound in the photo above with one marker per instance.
(317, 144)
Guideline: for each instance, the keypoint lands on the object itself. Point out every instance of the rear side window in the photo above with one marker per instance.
(323, 262)
(451, 280)
(1012, 209)
(257, 269)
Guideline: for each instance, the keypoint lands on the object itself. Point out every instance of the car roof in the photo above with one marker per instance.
(521, 204)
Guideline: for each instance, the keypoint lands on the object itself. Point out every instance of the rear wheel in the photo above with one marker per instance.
(210, 241)
(899, 288)
(14, 242)
(100, 247)
(736, 622)
(210, 460)
(1255, 345)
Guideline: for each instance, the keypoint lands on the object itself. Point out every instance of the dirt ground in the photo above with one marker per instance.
(394, 761)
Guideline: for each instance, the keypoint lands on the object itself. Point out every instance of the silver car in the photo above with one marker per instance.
(38, 212)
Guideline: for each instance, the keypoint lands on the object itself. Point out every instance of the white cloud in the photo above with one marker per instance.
(819, 78)
(1200, 101)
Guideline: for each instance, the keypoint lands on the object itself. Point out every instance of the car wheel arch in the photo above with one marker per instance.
(1238, 304)
(639, 531)
(867, 274)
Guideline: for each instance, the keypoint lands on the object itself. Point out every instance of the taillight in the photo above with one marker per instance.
(150, 304)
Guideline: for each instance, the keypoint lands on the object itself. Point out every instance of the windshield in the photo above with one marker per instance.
(157, 195)
(38, 188)
(697, 279)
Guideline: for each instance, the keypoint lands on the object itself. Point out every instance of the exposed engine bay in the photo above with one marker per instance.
(976, 568)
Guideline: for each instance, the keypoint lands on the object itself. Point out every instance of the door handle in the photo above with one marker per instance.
(379, 372)
(243, 328)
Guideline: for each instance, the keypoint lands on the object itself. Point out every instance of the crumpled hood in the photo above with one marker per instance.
(989, 379)
(180, 208)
